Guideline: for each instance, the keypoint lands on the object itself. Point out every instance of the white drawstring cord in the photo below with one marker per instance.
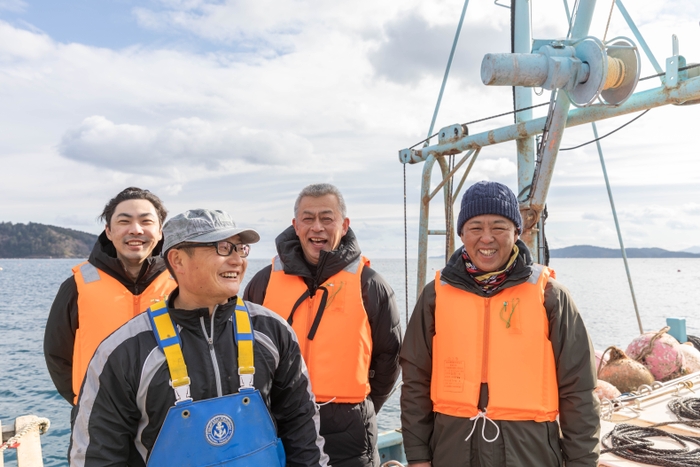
(324, 403)
(475, 419)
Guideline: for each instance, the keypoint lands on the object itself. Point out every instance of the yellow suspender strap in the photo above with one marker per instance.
(169, 341)
(243, 333)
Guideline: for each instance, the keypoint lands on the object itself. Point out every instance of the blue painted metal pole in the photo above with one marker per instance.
(423, 226)
(617, 227)
(556, 124)
(568, 11)
(522, 43)
(640, 38)
(688, 90)
(447, 70)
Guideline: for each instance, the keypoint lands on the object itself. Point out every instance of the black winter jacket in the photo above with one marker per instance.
(126, 395)
(440, 438)
(62, 324)
(350, 430)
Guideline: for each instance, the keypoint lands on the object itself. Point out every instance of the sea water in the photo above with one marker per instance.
(664, 288)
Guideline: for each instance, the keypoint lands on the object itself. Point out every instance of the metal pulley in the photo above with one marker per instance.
(586, 69)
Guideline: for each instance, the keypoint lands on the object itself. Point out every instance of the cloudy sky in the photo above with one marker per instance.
(236, 105)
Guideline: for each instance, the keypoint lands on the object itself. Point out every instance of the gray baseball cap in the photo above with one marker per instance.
(203, 226)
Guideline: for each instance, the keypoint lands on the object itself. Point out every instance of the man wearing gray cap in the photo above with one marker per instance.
(496, 360)
(204, 379)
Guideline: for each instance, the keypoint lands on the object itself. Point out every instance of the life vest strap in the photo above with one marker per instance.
(319, 313)
(301, 299)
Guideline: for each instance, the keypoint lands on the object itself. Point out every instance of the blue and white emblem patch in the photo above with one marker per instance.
(219, 430)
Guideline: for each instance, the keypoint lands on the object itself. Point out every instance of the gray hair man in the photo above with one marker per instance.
(345, 317)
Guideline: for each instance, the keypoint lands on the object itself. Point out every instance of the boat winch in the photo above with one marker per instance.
(586, 69)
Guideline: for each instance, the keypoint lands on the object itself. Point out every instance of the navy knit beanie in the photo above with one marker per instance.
(489, 198)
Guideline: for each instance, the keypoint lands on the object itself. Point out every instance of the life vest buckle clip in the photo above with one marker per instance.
(246, 380)
(182, 392)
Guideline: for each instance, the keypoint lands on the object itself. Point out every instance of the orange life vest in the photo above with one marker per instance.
(337, 343)
(104, 304)
(502, 340)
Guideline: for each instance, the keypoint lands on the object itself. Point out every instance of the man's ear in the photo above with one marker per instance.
(177, 259)
(108, 232)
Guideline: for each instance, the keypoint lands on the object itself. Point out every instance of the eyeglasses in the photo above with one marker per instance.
(223, 248)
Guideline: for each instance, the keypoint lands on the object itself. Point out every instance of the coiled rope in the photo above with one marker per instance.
(686, 409)
(632, 442)
(42, 423)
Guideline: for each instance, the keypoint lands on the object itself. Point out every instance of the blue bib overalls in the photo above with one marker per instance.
(234, 430)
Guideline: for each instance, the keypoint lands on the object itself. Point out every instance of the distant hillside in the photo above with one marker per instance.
(43, 241)
(588, 251)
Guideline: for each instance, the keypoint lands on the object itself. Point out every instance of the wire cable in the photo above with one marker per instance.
(484, 119)
(606, 135)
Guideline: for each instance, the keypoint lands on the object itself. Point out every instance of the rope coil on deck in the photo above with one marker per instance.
(632, 442)
(42, 424)
(686, 408)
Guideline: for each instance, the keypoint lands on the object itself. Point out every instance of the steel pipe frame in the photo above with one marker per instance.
(687, 90)
(423, 230)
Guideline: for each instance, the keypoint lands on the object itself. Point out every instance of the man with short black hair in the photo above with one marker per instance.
(122, 277)
(345, 316)
(203, 379)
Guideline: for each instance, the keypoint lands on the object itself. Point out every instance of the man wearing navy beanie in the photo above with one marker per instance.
(496, 360)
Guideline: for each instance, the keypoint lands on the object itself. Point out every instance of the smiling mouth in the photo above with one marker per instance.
(318, 241)
(487, 253)
(135, 243)
(229, 275)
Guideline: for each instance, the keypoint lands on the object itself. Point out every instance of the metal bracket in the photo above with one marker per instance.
(672, 65)
(408, 156)
(452, 133)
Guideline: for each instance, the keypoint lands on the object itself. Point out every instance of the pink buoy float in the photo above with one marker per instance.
(660, 353)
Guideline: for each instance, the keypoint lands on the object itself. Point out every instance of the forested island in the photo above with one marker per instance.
(588, 251)
(43, 241)
(34, 240)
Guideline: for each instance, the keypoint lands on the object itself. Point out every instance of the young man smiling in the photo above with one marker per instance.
(122, 277)
(199, 379)
(496, 338)
(345, 317)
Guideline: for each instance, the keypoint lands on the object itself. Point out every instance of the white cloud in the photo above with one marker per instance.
(682, 224)
(692, 209)
(291, 93)
(13, 5)
(182, 143)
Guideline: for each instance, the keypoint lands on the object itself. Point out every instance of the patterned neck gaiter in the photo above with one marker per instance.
(490, 281)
